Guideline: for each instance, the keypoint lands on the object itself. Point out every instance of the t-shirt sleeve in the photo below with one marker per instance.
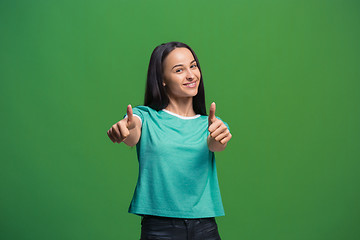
(137, 113)
(227, 125)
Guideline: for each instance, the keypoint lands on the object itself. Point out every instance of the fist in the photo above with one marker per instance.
(217, 128)
(121, 130)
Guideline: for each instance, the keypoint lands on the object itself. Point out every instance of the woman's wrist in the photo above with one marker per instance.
(215, 146)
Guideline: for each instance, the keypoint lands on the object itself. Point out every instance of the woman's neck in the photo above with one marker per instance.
(181, 106)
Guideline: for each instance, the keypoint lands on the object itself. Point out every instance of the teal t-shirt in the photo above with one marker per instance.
(177, 171)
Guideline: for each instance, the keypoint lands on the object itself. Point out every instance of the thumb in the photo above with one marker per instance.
(212, 117)
(129, 113)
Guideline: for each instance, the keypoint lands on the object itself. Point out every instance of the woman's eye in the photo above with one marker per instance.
(194, 66)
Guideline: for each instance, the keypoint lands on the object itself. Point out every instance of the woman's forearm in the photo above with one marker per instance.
(215, 146)
(134, 134)
(133, 138)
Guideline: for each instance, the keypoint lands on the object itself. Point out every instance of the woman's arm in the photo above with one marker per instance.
(135, 133)
(127, 130)
(219, 133)
(215, 146)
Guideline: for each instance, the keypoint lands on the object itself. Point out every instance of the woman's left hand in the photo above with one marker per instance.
(217, 128)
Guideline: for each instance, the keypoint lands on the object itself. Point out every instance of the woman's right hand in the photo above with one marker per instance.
(121, 130)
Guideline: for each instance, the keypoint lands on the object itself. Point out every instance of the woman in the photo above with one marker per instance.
(177, 192)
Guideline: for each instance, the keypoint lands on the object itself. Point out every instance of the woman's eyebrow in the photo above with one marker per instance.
(182, 65)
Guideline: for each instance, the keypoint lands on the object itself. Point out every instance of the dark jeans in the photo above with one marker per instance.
(155, 227)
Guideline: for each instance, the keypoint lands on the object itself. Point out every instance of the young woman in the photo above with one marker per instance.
(177, 192)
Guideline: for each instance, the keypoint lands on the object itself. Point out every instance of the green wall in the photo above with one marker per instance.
(284, 75)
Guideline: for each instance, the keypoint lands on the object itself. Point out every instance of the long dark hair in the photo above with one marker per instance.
(155, 94)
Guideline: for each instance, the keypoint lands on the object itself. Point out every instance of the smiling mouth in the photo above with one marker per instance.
(190, 84)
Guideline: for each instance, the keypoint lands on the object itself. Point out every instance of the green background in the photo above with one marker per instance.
(284, 75)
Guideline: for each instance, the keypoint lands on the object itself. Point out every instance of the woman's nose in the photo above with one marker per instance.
(190, 74)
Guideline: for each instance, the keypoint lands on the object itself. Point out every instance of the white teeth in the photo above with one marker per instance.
(190, 84)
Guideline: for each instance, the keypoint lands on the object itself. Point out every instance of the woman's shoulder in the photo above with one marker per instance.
(143, 108)
(144, 111)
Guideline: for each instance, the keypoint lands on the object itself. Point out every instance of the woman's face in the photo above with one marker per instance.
(181, 74)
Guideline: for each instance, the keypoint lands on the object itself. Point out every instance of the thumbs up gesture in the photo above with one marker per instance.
(121, 130)
(218, 130)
